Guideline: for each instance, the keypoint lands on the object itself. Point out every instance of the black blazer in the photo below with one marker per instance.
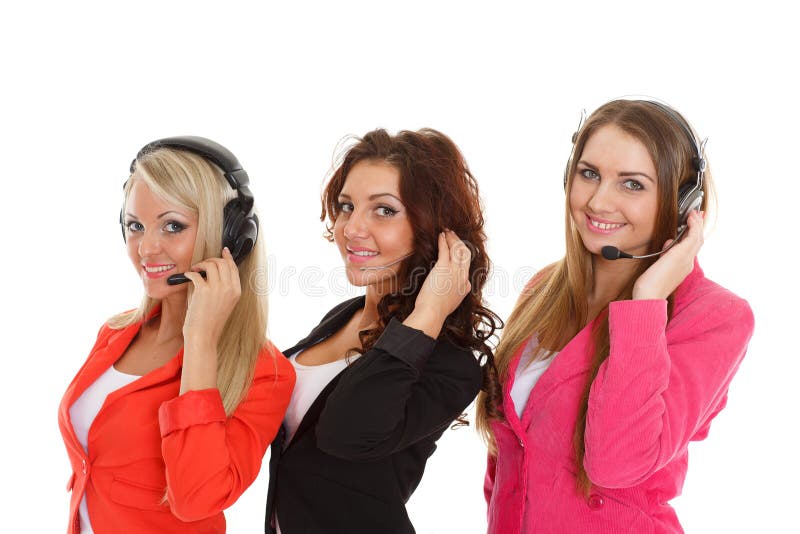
(360, 451)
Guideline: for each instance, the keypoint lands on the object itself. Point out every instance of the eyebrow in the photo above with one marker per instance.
(159, 216)
(624, 173)
(373, 197)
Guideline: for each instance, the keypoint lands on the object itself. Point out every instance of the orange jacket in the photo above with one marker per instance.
(147, 439)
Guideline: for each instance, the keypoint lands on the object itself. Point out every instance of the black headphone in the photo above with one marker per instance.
(240, 223)
(690, 194)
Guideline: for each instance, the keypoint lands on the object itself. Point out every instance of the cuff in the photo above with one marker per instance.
(405, 343)
(640, 321)
(192, 408)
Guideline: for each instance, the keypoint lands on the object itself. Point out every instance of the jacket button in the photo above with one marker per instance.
(595, 501)
(83, 464)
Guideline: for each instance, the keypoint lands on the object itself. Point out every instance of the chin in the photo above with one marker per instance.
(162, 290)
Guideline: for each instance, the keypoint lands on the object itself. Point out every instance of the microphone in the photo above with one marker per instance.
(610, 252)
(177, 279)
(380, 267)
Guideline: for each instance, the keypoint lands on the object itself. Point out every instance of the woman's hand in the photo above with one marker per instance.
(213, 299)
(664, 276)
(445, 286)
(210, 306)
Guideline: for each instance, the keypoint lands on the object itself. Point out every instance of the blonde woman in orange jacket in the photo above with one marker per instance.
(166, 423)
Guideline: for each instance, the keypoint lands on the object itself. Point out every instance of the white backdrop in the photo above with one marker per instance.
(85, 84)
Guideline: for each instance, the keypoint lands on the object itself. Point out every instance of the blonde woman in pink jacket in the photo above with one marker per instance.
(609, 365)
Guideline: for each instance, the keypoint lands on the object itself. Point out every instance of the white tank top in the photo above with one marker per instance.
(527, 375)
(311, 380)
(82, 414)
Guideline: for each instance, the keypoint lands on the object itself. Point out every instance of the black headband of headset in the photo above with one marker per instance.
(234, 173)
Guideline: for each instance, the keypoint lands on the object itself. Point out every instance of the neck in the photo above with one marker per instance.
(369, 314)
(170, 321)
(609, 277)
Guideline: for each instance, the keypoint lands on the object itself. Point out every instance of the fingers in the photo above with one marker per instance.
(233, 270)
(219, 271)
(695, 234)
(460, 254)
(444, 250)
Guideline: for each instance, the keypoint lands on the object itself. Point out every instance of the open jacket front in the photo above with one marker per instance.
(360, 451)
(660, 387)
(148, 442)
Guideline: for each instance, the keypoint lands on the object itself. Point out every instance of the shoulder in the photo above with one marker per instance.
(355, 302)
(705, 304)
(699, 295)
(272, 362)
(107, 331)
(332, 320)
(536, 278)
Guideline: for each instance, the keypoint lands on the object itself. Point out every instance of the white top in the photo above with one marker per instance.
(527, 375)
(311, 380)
(82, 414)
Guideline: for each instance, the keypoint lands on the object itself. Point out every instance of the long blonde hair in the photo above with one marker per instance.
(555, 305)
(192, 182)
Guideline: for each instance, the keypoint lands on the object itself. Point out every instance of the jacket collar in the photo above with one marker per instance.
(330, 324)
(104, 356)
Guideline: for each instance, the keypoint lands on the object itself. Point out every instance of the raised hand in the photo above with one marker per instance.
(213, 298)
(445, 286)
(664, 276)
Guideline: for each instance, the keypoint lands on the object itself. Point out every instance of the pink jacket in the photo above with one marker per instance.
(659, 389)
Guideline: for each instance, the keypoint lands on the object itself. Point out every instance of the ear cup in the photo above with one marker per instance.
(690, 198)
(239, 230)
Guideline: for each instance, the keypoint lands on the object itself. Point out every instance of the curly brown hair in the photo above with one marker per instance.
(439, 192)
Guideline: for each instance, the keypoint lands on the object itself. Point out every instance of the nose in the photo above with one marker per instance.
(356, 226)
(150, 243)
(602, 199)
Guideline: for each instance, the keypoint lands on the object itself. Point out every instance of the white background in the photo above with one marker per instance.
(85, 84)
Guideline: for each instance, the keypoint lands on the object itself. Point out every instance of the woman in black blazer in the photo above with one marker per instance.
(383, 375)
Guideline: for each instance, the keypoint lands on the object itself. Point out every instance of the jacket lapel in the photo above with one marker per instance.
(99, 361)
(312, 415)
(101, 358)
(329, 325)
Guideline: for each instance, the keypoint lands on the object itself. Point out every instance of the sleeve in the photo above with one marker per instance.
(402, 390)
(210, 458)
(660, 387)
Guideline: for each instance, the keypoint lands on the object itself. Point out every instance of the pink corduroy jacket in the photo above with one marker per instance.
(659, 389)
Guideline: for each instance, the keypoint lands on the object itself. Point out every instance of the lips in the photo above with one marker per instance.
(157, 270)
(602, 226)
(360, 254)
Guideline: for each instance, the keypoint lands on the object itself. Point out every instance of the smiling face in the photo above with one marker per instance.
(372, 228)
(160, 239)
(613, 199)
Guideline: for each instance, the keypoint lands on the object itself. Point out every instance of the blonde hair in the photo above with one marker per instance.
(555, 304)
(192, 182)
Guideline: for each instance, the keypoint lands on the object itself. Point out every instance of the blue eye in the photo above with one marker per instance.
(173, 227)
(589, 173)
(633, 185)
(134, 226)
